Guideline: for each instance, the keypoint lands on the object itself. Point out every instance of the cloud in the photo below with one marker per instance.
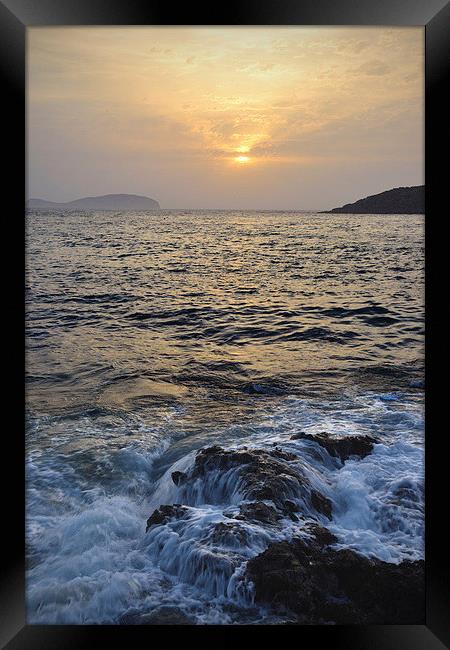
(178, 103)
(374, 68)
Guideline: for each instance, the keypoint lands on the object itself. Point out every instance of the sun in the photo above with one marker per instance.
(242, 159)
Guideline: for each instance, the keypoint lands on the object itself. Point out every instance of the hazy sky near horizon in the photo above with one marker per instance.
(209, 117)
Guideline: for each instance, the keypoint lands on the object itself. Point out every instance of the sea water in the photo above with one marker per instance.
(153, 335)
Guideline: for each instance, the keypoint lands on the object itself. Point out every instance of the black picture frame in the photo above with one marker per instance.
(15, 17)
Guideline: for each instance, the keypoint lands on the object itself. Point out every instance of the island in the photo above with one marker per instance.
(106, 202)
(400, 200)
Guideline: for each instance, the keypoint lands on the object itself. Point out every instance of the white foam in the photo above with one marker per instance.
(379, 505)
(86, 514)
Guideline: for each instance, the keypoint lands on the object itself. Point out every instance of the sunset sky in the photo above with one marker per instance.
(264, 118)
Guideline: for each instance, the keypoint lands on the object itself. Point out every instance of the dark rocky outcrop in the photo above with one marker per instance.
(218, 458)
(322, 535)
(321, 503)
(229, 534)
(162, 514)
(264, 475)
(342, 447)
(320, 584)
(400, 200)
(261, 475)
(258, 512)
(307, 578)
(178, 477)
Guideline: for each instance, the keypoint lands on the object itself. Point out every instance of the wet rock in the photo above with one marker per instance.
(162, 514)
(216, 457)
(256, 476)
(178, 477)
(263, 475)
(321, 534)
(323, 585)
(340, 446)
(165, 615)
(321, 503)
(290, 508)
(259, 512)
(229, 534)
(284, 455)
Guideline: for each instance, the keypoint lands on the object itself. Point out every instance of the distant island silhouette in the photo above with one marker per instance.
(105, 202)
(400, 200)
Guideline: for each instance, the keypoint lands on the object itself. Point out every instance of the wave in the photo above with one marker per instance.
(110, 541)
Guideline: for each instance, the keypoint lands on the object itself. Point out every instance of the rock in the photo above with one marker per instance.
(216, 457)
(165, 615)
(321, 503)
(259, 512)
(259, 476)
(323, 585)
(162, 514)
(284, 455)
(399, 200)
(321, 534)
(290, 508)
(229, 534)
(178, 477)
(340, 446)
(263, 475)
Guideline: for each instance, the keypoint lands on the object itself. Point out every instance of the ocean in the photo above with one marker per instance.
(153, 336)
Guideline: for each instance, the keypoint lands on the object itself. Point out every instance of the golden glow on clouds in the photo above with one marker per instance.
(106, 104)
